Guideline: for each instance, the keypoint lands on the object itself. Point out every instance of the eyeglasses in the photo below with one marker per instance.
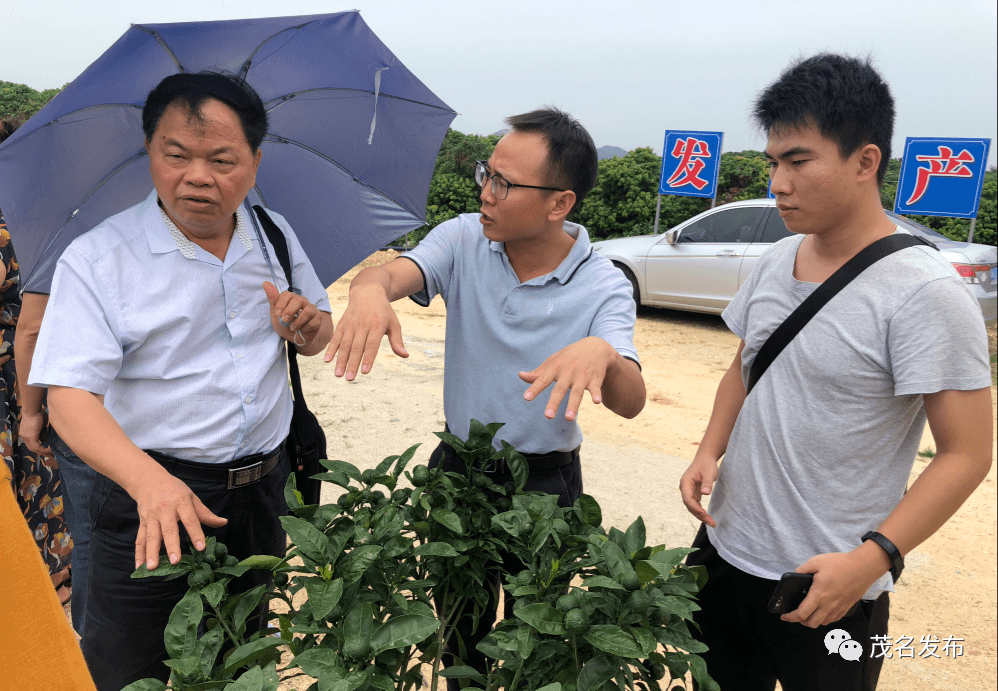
(501, 186)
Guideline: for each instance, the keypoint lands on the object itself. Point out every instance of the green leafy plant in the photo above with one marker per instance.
(359, 583)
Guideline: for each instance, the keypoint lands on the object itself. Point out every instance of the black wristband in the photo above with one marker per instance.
(897, 561)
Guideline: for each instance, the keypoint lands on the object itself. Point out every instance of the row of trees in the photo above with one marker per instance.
(623, 201)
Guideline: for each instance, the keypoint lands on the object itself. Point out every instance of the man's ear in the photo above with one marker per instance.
(562, 205)
(869, 163)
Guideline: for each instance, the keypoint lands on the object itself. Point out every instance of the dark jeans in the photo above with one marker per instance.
(77, 486)
(566, 483)
(126, 617)
(751, 648)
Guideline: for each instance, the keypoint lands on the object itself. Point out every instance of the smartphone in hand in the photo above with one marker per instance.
(790, 592)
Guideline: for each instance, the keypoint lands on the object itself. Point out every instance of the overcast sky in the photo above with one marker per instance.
(627, 70)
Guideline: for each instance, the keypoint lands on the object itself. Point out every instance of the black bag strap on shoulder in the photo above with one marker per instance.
(280, 244)
(786, 331)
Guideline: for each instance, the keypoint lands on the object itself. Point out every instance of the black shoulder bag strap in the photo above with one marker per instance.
(306, 434)
(280, 244)
(786, 331)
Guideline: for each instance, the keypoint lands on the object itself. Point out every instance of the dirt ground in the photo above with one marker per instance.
(632, 467)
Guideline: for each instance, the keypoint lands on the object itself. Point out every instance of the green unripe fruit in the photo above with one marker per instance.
(639, 601)
(356, 649)
(576, 621)
(368, 476)
(566, 602)
(525, 578)
(221, 551)
(346, 501)
(420, 475)
(658, 670)
(482, 481)
(401, 495)
(281, 578)
(230, 561)
(503, 504)
(630, 581)
(421, 528)
(199, 579)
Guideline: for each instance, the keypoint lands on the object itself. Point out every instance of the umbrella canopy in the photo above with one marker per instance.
(347, 160)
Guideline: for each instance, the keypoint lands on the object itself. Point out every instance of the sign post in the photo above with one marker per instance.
(691, 162)
(942, 177)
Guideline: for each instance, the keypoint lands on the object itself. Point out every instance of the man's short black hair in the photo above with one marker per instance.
(843, 97)
(190, 91)
(572, 159)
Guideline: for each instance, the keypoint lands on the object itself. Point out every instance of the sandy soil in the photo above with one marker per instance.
(632, 467)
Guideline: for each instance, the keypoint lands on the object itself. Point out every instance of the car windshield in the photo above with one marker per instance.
(917, 227)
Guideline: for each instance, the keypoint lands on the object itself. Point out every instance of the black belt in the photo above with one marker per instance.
(238, 473)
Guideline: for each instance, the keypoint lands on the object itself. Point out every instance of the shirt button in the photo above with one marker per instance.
(249, 399)
(232, 315)
(516, 290)
(239, 355)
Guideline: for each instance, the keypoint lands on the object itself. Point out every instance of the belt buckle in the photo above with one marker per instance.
(238, 477)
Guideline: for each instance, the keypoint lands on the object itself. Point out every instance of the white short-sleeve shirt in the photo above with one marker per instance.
(182, 348)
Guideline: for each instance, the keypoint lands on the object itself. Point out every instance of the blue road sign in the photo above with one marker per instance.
(690, 163)
(941, 177)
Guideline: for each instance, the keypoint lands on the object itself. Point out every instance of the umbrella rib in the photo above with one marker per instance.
(281, 140)
(244, 70)
(287, 97)
(162, 43)
(131, 159)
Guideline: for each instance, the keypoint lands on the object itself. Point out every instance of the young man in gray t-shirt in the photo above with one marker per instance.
(816, 459)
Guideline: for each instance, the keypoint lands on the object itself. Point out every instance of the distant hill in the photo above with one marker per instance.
(610, 152)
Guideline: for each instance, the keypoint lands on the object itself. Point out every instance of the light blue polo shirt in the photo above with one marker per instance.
(497, 327)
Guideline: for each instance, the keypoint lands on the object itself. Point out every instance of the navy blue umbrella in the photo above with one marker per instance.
(348, 159)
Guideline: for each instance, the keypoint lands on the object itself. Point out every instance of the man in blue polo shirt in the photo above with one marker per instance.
(529, 305)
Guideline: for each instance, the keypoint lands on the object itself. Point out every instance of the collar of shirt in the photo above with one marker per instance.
(580, 252)
(186, 246)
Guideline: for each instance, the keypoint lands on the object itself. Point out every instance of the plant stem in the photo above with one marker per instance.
(232, 636)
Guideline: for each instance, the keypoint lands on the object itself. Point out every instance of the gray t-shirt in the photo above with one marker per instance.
(497, 327)
(823, 447)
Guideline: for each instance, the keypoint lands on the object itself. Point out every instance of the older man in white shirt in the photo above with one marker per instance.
(163, 352)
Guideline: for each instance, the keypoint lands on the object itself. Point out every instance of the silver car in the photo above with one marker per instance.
(700, 264)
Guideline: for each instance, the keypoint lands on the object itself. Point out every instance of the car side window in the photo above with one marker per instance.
(736, 225)
(775, 229)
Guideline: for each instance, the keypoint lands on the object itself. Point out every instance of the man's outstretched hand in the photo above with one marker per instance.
(368, 317)
(577, 368)
(164, 502)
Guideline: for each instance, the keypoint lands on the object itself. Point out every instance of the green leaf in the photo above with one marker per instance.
(246, 654)
(699, 669)
(382, 682)
(618, 564)
(679, 637)
(309, 539)
(435, 549)
(644, 639)
(359, 622)
(244, 606)
(322, 596)
(680, 606)
(551, 687)
(591, 512)
(146, 685)
(516, 522)
(234, 571)
(292, 496)
(448, 519)
(526, 639)
(672, 557)
(251, 680)
(342, 466)
(614, 640)
(337, 477)
(517, 464)
(208, 646)
(634, 538)
(543, 617)
(320, 663)
(403, 460)
(595, 673)
(602, 582)
(648, 571)
(462, 672)
(165, 568)
(181, 633)
(359, 560)
(213, 593)
(402, 631)
(455, 443)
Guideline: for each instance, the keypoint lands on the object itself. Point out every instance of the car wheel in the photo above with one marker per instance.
(635, 291)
